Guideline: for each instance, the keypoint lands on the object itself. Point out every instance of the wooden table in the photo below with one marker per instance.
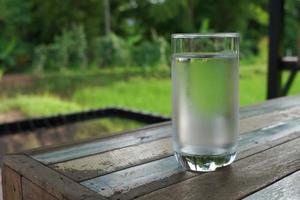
(139, 164)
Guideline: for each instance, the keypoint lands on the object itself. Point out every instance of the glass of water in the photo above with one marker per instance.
(205, 77)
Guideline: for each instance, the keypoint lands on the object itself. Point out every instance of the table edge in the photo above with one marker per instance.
(36, 172)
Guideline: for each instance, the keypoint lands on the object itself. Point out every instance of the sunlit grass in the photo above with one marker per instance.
(253, 82)
(142, 91)
(38, 105)
(153, 95)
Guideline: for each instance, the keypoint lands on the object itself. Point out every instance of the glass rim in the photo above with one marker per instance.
(200, 35)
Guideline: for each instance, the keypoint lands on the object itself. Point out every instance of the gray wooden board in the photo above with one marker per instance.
(124, 181)
(137, 137)
(286, 189)
(267, 120)
(248, 141)
(153, 133)
(269, 133)
(240, 179)
(100, 164)
(107, 162)
(270, 106)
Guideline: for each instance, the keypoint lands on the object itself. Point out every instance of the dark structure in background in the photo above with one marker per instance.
(277, 63)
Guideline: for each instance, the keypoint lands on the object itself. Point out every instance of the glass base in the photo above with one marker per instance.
(205, 163)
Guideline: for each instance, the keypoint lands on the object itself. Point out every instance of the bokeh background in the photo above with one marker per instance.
(72, 55)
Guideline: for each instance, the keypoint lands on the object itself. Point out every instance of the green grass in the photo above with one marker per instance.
(252, 84)
(149, 94)
(147, 89)
(38, 105)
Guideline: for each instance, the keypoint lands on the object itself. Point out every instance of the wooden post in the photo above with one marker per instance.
(275, 33)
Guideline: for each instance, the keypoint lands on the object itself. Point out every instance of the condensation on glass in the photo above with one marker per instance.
(205, 77)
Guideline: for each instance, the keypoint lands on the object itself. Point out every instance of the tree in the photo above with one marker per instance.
(14, 20)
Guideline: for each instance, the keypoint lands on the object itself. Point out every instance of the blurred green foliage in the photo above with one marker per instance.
(67, 50)
(146, 53)
(291, 29)
(55, 35)
(110, 50)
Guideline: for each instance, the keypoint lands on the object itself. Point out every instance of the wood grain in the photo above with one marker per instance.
(286, 189)
(107, 162)
(124, 184)
(269, 133)
(33, 192)
(107, 144)
(119, 181)
(11, 182)
(54, 183)
(240, 179)
(277, 104)
(268, 119)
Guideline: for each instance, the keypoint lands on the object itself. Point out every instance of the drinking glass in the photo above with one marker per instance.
(205, 92)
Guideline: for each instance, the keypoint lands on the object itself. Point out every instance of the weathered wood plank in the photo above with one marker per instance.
(286, 189)
(249, 124)
(133, 138)
(277, 104)
(241, 179)
(107, 162)
(118, 183)
(49, 180)
(11, 183)
(268, 119)
(33, 192)
(269, 133)
(57, 147)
